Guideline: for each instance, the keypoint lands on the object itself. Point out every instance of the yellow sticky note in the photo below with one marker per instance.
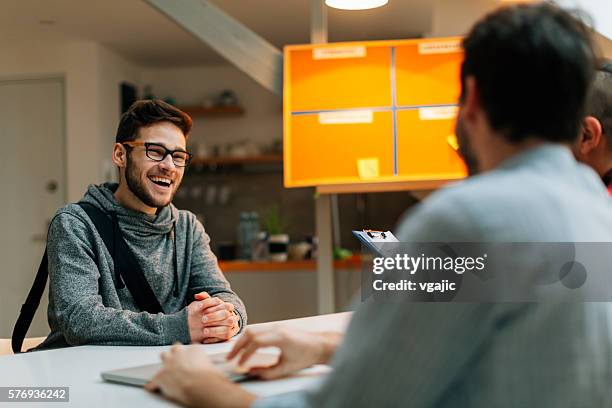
(368, 168)
(452, 142)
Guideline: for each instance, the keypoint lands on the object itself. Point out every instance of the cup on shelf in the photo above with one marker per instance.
(277, 247)
(298, 251)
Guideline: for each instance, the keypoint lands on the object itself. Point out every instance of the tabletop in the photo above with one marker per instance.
(79, 368)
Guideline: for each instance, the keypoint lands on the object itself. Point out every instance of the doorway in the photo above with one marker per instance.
(32, 188)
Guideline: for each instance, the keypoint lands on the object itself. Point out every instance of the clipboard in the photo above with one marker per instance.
(374, 240)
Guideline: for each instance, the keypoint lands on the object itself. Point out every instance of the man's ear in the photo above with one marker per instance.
(119, 155)
(471, 102)
(590, 137)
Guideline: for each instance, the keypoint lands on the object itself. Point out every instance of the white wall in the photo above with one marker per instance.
(113, 69)
(598, 10)
(76, 62)
(92, 75)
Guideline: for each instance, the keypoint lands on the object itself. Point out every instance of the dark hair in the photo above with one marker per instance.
(533, 66)
(600, 102)
(148, 112)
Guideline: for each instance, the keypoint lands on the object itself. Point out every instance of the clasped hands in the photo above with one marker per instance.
(211, 320)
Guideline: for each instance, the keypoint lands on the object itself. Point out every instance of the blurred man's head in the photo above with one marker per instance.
(594, 145)
(525, 78)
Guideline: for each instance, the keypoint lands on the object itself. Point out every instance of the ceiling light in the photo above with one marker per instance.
(355, 4)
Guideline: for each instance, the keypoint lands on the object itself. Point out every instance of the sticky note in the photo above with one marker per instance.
(368, 168)
(452, 142)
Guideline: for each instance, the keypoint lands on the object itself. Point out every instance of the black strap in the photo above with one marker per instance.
(28, 309)
(124, 260)
(127, 268)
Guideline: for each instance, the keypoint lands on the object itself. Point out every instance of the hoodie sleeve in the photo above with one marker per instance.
(206, 276)
(77, 306)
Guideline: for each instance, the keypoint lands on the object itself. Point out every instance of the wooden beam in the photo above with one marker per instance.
(237, 43)
(325, 256)
(323, 205)
(318, 22)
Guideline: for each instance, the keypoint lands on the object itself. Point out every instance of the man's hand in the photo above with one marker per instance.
(299, 349)
(211, 320)
(189, 378)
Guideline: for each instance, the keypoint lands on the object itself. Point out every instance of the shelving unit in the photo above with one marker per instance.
(220, 161)
(214, 111)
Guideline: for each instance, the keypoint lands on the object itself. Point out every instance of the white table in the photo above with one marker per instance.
(79, 368)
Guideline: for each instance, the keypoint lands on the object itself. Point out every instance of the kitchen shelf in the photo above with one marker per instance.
(220, 161)
(354, 262)
(214, 111)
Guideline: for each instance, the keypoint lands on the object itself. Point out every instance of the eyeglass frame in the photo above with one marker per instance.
(166, 152)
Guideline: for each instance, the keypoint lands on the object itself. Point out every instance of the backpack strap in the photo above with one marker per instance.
(127, 270)
(28, 309)
(125, 262)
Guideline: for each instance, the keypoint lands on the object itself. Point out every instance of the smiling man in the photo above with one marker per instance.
(94, 301)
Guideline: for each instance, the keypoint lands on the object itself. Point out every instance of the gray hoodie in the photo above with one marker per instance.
(88, 306)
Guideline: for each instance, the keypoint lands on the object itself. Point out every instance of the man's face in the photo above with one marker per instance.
(465, 147)
(152, 182)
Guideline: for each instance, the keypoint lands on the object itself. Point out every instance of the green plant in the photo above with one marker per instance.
(273, 221)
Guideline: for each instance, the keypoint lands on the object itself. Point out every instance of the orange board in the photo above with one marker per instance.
(355, 82)
(332, 151)
(351, 112)
(426, 79)
(423, 146)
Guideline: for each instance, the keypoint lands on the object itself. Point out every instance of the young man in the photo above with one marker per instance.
(89, 301)
(525, 79)
(594, 146)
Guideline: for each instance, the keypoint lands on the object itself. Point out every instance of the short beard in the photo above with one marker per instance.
(465, 148)
(135, 186)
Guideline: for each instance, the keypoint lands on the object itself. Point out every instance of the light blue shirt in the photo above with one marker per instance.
(485, 354)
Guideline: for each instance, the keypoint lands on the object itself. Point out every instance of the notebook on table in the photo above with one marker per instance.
(140, 375)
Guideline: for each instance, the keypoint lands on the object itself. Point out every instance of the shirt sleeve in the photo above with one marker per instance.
(76, 303)
(206, 276)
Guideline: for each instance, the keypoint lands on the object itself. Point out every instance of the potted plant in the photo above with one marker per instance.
(278, 241)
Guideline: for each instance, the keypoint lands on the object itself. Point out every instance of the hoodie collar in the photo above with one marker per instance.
(102, 196)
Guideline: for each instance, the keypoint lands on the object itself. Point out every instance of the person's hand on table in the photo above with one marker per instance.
(189, 378)
(211, 320)
(299, 349)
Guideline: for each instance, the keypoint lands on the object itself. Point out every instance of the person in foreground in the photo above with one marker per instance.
(525, 78)
(594, 146)
(89, 299)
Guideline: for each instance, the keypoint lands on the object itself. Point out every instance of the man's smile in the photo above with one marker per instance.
(161, 181)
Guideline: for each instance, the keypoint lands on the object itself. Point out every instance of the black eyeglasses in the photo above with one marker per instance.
(157, 152)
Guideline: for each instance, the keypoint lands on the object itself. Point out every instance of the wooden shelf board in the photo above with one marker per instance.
(212, 111)
(382, 186)
(310, 265)
(265, 158)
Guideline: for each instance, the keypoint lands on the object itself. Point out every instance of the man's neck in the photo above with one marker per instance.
(499, 150)
(127, 199)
